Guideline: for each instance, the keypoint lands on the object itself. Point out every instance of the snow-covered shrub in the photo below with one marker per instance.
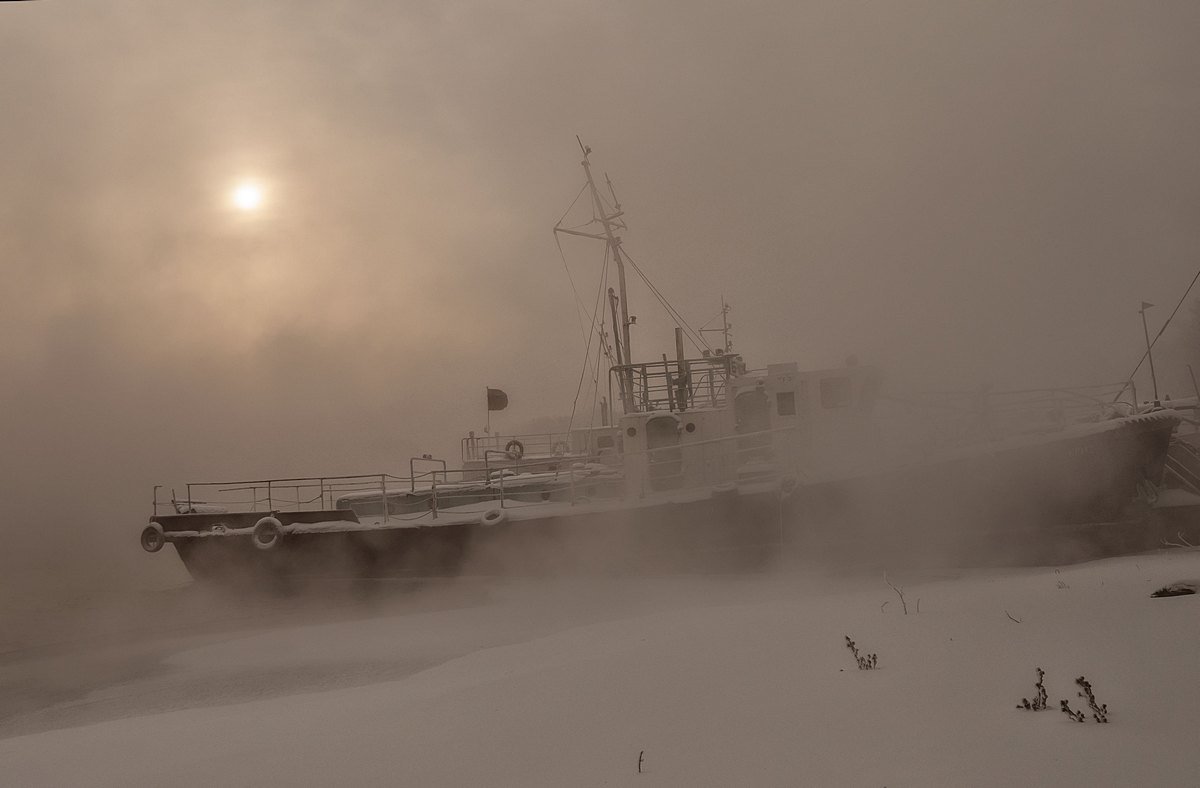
(865, 661)
(1099, 710)
(1066, 709)
(1039, 701)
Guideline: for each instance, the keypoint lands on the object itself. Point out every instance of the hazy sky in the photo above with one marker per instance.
(958, 191)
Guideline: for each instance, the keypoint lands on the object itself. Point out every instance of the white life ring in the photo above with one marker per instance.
(493, 517)
(268, 533)
(514, 449)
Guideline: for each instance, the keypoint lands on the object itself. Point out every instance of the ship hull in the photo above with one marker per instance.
(728, 529)
(1047, 499)
(1042, 499)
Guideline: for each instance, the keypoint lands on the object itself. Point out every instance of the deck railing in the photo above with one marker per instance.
(676, 468)
(478, 447)
(678, 385)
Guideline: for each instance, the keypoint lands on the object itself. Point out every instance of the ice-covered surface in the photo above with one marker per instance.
(715, 681)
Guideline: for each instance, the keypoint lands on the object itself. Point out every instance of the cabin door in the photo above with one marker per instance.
(752, 414)
(665, 459)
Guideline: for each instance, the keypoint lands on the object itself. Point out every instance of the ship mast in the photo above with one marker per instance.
(610, 222)
(726, 340)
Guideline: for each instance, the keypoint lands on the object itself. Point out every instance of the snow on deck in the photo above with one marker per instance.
(759, 690)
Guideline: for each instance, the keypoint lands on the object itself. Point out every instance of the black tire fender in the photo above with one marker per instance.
(152, 538)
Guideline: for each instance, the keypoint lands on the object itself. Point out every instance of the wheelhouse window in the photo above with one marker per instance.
(785, 403)
(836, 393)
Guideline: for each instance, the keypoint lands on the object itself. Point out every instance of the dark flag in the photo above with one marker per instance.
(497, 399)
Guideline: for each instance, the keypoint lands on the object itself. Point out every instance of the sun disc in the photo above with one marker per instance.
(248, 196)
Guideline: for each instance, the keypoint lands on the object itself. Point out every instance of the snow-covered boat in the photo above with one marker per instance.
(707, 461)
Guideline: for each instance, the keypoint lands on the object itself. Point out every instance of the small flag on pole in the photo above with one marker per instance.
(497, 399)
(1146, 305)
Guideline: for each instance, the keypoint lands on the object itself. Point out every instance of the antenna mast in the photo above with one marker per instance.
(610, 222)
(726, 341)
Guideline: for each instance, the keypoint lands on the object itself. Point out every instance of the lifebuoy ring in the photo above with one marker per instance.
(152, 538)
(514, 449)
(268, 532)
(493, 517)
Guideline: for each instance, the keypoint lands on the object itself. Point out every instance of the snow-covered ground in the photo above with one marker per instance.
(705, 680)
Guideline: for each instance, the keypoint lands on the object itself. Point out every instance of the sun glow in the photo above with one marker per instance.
(247, 196)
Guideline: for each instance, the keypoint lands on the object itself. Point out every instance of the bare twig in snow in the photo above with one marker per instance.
(1182, 543)
(899, 593)
(885, 604)
(1010, 618)
(641, 758)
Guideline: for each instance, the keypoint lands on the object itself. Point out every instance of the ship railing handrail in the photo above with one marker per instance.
(657, 385)
(302, 479)
(330, 486)
(476, 447)
(365, 479)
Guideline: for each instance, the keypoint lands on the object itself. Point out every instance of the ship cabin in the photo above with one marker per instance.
(691, 423)
(817, 422)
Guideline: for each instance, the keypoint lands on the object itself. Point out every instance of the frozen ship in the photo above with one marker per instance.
(707, 463)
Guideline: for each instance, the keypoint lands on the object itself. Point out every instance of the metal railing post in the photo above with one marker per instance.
(434, 497)
(189, 492)
(383, 495)
(270, 502)
(156, 499)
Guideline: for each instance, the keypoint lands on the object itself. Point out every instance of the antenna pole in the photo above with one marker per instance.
(725, 324)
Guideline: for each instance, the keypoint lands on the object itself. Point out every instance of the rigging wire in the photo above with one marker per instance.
(582, 189)
(694, 336)
(562, 256)
(709, 322)
(582, 307)
(1146, 353)
(588, 350)
(601, 348)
